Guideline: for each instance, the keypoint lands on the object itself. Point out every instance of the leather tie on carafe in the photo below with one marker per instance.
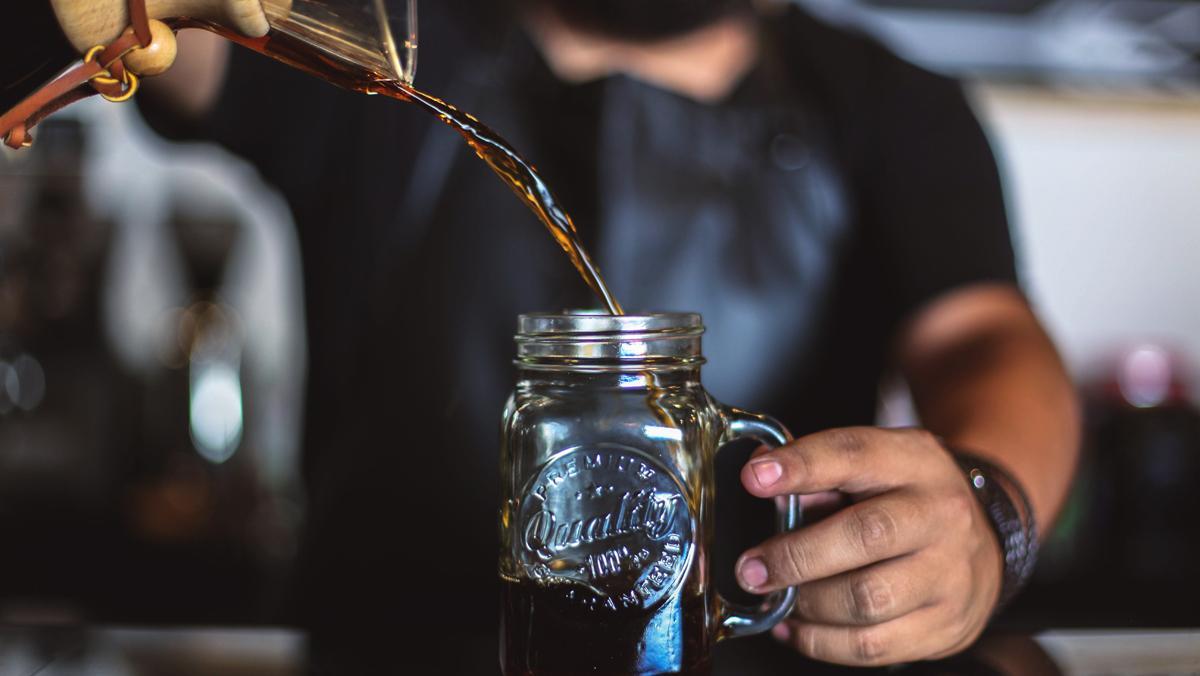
(101, 72)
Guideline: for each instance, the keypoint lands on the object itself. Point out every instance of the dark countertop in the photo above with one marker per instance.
(133, 651)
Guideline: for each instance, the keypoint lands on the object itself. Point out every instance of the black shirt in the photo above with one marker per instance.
(832, 194)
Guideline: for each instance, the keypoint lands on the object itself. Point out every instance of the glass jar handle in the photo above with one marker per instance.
(737, 620)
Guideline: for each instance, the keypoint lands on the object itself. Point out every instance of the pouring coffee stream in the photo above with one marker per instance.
(514, 170)
(517, 173)
(521, 177)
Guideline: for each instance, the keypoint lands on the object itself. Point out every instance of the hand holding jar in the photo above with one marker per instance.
(909, 568)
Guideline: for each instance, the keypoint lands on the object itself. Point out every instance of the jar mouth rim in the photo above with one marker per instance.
(589, 341)
(580, 324)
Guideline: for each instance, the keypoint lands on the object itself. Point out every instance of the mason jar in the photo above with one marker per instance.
(607, 488)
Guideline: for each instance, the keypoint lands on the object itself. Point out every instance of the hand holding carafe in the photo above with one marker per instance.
(123, 40)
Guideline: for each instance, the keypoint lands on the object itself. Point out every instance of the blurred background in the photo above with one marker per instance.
(152, 353)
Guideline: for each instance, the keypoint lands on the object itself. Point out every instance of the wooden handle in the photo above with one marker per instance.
(156, 57)
(88, 23)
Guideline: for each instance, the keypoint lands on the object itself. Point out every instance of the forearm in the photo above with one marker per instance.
(985, 376)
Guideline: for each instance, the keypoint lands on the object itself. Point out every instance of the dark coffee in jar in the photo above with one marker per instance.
(543, 637)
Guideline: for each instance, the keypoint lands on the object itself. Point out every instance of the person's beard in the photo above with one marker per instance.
(640, 19)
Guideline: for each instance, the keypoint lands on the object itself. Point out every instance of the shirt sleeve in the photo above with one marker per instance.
(932, 192)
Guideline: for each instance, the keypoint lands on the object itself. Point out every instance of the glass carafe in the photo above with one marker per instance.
(607, 486)
(352, 43)
(379, 36)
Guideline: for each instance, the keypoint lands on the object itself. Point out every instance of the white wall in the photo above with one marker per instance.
(1105, 196)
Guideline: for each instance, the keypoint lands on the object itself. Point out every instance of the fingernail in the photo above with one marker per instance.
(781, 631)
(753, 573)
(767, 472)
